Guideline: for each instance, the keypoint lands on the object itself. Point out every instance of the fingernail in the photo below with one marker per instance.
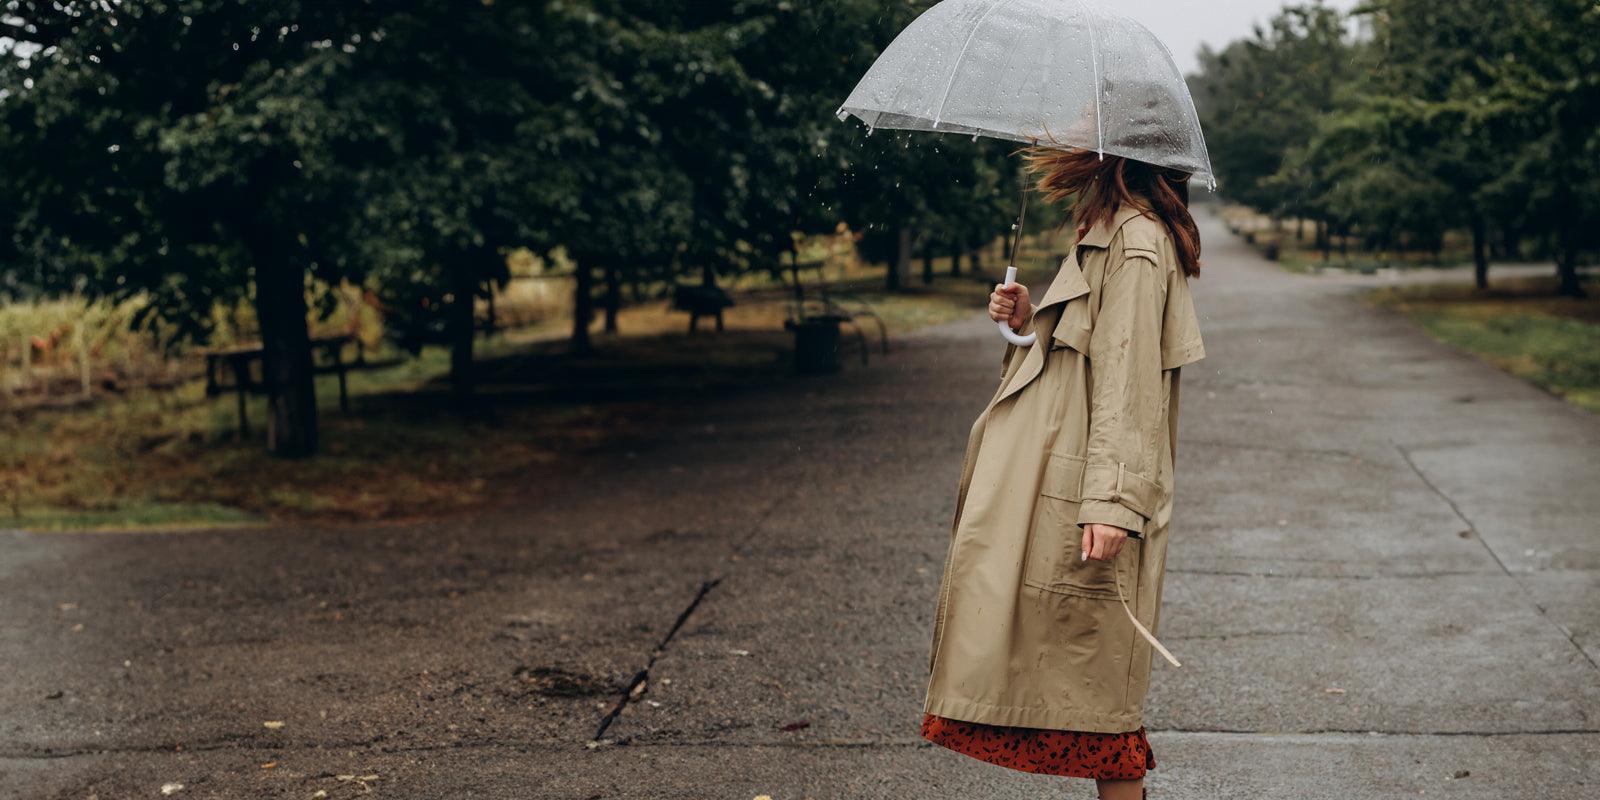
(1083, 555)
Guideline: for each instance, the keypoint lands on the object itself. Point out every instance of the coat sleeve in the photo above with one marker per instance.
(1127, 424)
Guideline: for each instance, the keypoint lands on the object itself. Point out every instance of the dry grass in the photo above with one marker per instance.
(1294, 246)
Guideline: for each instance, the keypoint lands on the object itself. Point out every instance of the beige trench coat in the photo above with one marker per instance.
(1081, 429)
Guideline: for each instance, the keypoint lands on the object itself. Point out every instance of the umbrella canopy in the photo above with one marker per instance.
(1059, 73)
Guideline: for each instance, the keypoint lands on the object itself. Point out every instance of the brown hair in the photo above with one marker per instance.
(1099, 186)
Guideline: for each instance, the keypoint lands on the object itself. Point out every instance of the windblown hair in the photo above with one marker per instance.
(1097, 187)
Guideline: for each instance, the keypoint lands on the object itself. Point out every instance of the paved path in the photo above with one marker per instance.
(1384, 582)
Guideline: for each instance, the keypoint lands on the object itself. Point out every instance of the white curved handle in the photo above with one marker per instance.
(1018, 339)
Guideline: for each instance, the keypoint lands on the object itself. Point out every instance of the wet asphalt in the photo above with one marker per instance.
(1384, 581)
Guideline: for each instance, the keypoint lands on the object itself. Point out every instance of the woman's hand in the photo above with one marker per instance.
(1102, 542)
(1009, 304)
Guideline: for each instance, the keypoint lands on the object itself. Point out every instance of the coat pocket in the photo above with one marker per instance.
(1052, 561)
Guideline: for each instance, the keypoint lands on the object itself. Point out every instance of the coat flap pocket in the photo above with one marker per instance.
(1063, 478)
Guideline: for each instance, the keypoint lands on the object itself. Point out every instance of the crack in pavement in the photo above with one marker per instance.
(1461, 515)
(643, 674)
(642, 677)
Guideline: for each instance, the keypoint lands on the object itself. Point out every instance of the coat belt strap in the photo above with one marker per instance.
(1143, 631)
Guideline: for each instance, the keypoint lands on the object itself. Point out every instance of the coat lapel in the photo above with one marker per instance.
(1071, 330)
(1069, 285)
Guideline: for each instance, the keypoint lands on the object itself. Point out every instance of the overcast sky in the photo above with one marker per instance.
(1184, 25)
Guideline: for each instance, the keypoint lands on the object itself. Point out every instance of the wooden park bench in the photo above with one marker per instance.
(237, 361)
(701, 301)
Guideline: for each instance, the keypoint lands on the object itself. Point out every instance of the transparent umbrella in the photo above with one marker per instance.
(1057, 73)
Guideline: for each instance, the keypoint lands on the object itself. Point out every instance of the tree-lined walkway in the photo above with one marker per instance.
(1385, 582)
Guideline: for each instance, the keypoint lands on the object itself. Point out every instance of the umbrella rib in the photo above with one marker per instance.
(1094, 62)
(956, 67)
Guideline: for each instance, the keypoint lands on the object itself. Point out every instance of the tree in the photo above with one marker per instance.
(191, 154)
(1259, 97)
(1545, 99)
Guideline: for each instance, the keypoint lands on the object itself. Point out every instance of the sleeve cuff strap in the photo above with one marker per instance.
(1118, 484)
(1103, 512)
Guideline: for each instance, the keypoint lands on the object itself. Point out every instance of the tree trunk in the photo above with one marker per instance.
(927, 269)
(902, 259)
(1480, 253)
(613, 297)
(582, 307)
(1299, 229)
(286, 367)
(1324, 240)
(1567, 263)
(955, 263)
(463, 330)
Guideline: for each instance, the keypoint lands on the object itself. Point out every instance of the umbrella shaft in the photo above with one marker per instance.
(1022, 217)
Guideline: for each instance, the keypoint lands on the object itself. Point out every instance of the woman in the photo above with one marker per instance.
(1052, 587)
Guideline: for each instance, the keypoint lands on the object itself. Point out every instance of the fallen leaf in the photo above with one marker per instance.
(270, 765)
(320, 794)
(272, 724)
(795, 726)
(1461, 773)
(1333, 690)
(740, 652)
(171, 788)
(763, 797)
(639, 689)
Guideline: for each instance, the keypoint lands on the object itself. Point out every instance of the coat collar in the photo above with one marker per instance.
(1101, 234)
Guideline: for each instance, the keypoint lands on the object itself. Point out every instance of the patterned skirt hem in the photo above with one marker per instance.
(1073, 754)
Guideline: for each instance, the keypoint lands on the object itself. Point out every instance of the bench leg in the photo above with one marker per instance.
(719, 322)
(344, 393)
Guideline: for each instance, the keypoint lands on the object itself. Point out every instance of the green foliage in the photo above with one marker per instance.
(1474, 114)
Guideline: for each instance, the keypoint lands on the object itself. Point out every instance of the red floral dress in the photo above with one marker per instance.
(1077, 754)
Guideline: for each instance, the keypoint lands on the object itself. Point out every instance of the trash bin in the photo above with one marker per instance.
(816, 344)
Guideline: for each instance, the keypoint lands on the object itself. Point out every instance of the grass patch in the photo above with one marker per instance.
(135, 516)
(1519, 326)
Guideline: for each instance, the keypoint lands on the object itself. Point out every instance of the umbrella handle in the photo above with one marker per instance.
(1018, 339)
